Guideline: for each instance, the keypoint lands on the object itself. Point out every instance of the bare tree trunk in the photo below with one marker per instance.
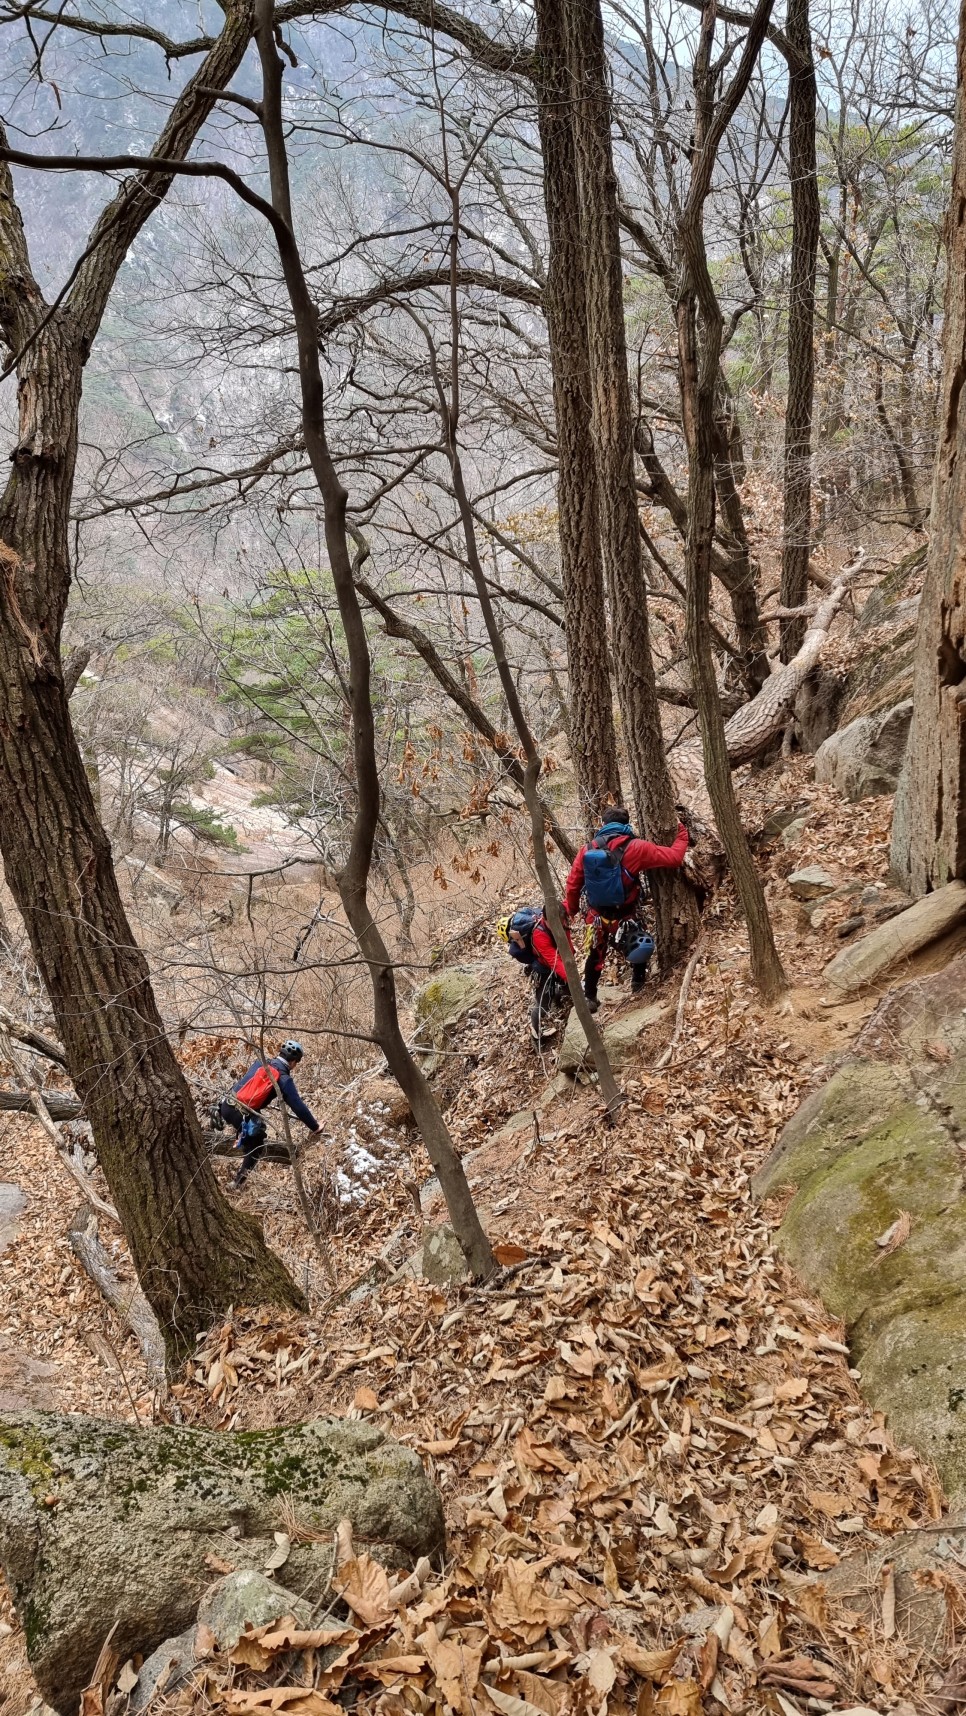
(449, 408)
(613, 441)
(929, 827)
(806, 219)
(700, 324)
(592, 735)
(194, 1254)
(354, 878)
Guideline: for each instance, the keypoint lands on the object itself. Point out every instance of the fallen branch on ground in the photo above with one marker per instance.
(33, 1039)
(38, 1102)
(752, 729)
(125, 1298)
(679, 1015)
(59, 1105)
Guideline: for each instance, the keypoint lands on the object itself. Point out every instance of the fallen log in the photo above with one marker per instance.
(58, 1103)
(32, 1038)
(752, 729)
(757, 724)
(125, 1298)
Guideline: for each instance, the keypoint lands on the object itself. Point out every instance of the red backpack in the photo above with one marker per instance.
(257, 1090)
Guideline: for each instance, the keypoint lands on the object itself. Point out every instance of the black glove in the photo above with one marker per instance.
(685, 817)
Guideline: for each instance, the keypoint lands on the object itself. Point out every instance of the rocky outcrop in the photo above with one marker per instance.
(104, 1523)
(930, 920)
(442, 1003)
(877, 1222)
(13, 1202)
(811, 883)
(864, 759)
(621, 1037)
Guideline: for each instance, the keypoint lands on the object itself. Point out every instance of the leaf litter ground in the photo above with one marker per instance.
(649, 1443)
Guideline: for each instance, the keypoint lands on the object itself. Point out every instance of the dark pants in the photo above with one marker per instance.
(549, 992)
(605, 929)
(255, 1134)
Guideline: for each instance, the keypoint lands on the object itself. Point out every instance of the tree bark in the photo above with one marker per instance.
(806, 220)
(592, 733)
(612, 425)
(700, 325)
(929, 826)
(193, 1253)
(354, 878)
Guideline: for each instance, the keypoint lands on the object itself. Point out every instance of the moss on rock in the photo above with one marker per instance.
(103, 1522)
(846, 1203)
(445, 1000)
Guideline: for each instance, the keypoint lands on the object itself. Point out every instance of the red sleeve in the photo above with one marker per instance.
(641, 855)
(575, 883)
(545, 949)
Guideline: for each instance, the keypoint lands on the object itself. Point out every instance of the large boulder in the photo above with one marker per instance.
(104, 1523)
(864, 759)
(896, 941)
(877, 1222)
(621, 1038)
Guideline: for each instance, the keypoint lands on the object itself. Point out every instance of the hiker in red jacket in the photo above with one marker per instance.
(530, 941)
(607, 871)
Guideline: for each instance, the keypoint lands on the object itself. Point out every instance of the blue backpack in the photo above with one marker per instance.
(606, 882)
(524, 922)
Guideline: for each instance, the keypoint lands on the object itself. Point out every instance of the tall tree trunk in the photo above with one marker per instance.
(700, 324)
(354, 877)
(929, 826)
(613, 443)
(806, 218)
(592, 733)
(194, 1254)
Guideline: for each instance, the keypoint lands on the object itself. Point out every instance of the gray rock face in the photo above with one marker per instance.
(920, 1612)
(247, 1599)
(13, 1202)
(165, 1669)
(877, 1145)
(811, 883)
(441, 1258)
(621, 1038)
(227, 1608)
(898, 939)
(863, 760)
(101, 1522)
(445, 1000)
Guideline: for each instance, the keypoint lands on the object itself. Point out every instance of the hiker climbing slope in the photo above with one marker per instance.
(253, 1092)
(608, 871)
(530, 941)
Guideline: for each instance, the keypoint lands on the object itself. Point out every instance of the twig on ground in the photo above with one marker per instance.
(662, 1061)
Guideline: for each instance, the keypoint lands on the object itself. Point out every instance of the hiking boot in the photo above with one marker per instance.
(239, 1180)
(638, 982)
(541, 1030)
(592, 1002)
